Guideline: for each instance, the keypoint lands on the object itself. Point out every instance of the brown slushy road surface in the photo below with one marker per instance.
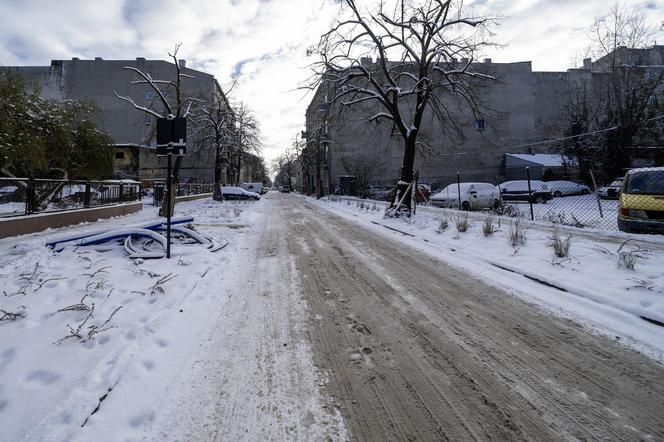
(416, 350)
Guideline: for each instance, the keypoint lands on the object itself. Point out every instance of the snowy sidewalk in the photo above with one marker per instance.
(204, 346)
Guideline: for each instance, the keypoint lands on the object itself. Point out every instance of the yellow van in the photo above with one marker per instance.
(642, 201)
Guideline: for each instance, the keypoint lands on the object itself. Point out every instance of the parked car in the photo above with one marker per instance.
(379, 192)
(11, 194)
(284, 189)
(641, 207)
(612, 191)
(565, 188)
(422, 195)
(253, 187)
(518, 191)
(474, 196)
(238, 193)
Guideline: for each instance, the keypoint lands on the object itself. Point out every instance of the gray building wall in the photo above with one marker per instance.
(520, 107)
(96, 81)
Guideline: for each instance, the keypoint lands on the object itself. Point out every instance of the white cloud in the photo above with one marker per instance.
(263, 42)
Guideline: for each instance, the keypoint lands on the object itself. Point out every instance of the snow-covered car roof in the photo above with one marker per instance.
(233, 190)
(645, 169)
(453, 188)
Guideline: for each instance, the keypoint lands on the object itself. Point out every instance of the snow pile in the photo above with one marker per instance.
(594, 284)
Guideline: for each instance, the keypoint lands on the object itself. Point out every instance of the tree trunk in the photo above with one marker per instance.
(406, 173)
(216, 191)
(239, 169)
(174, 187)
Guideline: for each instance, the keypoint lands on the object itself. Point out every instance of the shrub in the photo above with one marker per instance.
(516, 236)
(560, 246)
(462, 223)
(628, 259)
(507, 210)
(444, 224)
(488, 228)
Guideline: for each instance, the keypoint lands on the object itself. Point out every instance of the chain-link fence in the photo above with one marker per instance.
(22, 196)
(631, 203)
(159, 190)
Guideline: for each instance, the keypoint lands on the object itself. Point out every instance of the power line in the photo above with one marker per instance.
(578, 136)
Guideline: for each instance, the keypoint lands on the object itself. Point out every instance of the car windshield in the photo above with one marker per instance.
(648, 183)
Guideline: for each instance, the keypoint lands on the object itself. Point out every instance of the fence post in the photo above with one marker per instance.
(29, 196)
(459, 189)
(86, 198)
(599, 201)
(530, 195)
(121, 197)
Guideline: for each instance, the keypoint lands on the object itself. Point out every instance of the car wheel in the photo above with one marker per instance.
(465, 206)
(557, 193)
(539, 200)
(496, 204)
(585, 192)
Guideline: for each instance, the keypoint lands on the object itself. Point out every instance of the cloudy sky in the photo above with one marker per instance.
(262, 43)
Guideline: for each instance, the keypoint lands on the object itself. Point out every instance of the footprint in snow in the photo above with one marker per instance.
(148, 365)
(43, 378)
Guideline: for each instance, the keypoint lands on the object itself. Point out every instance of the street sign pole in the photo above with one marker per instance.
(169, 190)
(171, 140)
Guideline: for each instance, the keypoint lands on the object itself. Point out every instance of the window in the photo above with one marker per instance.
(148, 120)
(119, 155)
(479, 125)
(149, 95)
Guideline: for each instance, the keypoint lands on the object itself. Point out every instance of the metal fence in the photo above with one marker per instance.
(159, 190)
(23, 196)
(633, 203)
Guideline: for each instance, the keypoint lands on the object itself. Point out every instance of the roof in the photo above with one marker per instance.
(544, 159)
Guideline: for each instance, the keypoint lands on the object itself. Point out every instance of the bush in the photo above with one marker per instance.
(628, 259)
(488, 228)
(516, 236)
(507, 210)
(443, 225)
(462, 223)
(560, 246)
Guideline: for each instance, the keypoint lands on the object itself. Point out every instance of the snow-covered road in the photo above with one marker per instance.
(420, 350)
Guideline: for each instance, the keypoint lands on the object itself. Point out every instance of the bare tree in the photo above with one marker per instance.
(364, 168)
(305, 156)
(424, 38)
(284, 167)
(216, 125)
(624, 100)
(180, 108)
(247, 133)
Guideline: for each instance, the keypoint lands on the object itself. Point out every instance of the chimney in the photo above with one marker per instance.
(140, 58)
(464, 60)
(98, 59)
(366, 61)
(183, 63)
(74, 59)
(587, 63)
(487, 60)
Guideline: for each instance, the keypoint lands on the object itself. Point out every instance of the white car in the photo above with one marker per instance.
(474, 196)
(565, 188)
(533, 191)
(238, 193)
(612, 191)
